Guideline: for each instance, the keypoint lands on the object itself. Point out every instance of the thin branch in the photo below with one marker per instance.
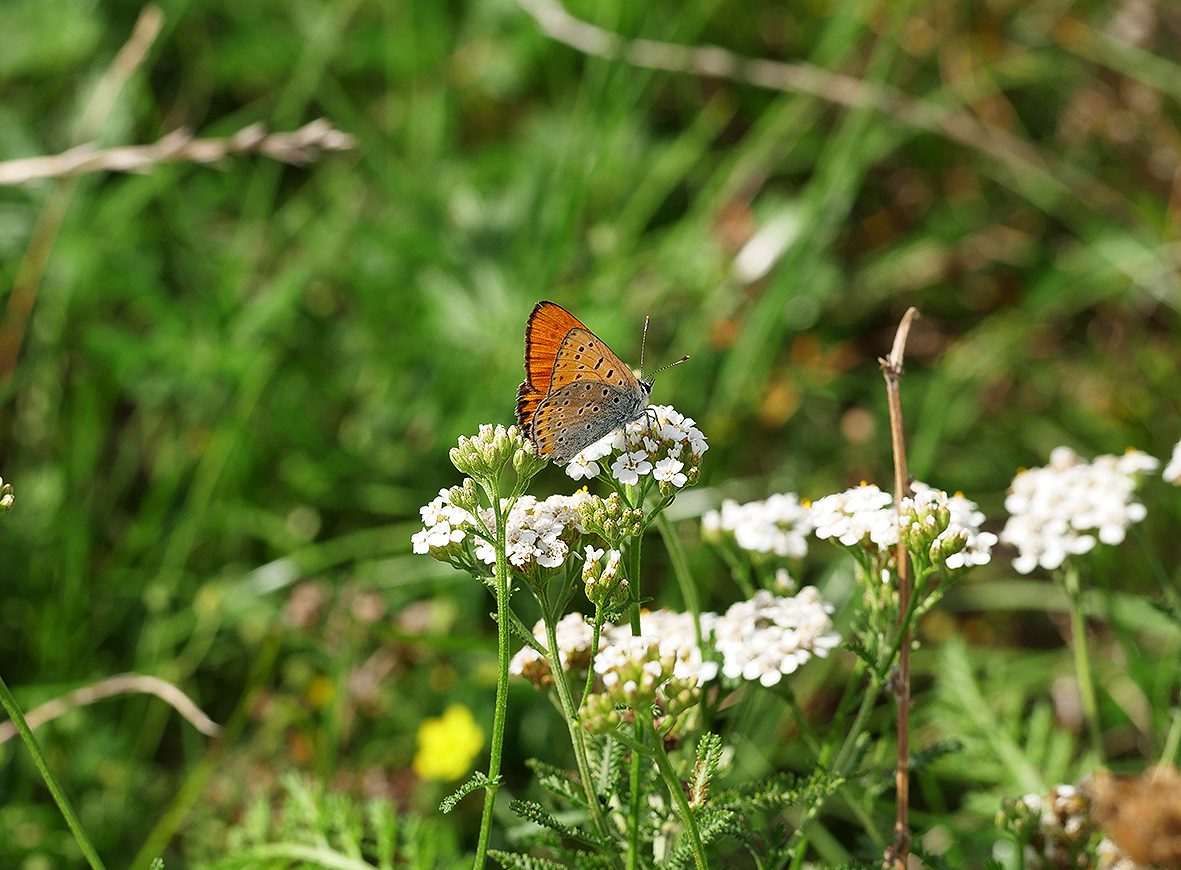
(958, 125)
(298, 146)
(120, 684)
(896, 855)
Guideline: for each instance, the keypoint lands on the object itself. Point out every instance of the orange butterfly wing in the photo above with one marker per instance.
(584, 357)
(546, 329)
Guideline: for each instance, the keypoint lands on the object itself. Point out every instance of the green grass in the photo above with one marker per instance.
(241, 379)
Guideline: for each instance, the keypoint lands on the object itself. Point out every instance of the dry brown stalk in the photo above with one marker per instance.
(120, 684)
(897, 854)
(179, 146)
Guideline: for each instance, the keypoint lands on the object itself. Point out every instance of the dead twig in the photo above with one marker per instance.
(297, 147)
(1020, 158)
(120, 684)
(896, 855)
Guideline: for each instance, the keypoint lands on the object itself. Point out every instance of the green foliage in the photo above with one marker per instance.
(309, 828)
(238, 384)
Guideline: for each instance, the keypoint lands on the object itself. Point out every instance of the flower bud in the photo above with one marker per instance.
(7, 498)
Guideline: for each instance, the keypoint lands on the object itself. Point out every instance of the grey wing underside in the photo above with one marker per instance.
(579, 414)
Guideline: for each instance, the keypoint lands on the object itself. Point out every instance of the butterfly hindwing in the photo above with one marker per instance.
(574, 416)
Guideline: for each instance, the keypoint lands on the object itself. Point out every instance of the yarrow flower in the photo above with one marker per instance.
(769, 637)
(1069, 505)
(536, 531)
(1172, 472)
(574, 635)
(861, 515)
(946, 528)
(676, 637)
(955, 522)
(662, 443)
(779, 525)
(444, 524)
(600, 577)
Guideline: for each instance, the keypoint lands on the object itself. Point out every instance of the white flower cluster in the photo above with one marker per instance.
(769, 637)
(1172, 471)
(865, 516)
(856, 516)
(676, 637)
(1061, 509)
(779, 525)
(662, 442)
(534, 532)
(443, 524)
(574, 636)
(763, 639)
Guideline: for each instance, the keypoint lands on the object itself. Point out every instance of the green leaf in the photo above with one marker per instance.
(536, 813)
(478, 780)
(519, 861)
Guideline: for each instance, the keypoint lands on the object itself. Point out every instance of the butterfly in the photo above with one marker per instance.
(576, 390)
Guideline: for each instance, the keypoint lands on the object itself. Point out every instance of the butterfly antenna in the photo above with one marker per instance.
(643, 341)
(652, 376)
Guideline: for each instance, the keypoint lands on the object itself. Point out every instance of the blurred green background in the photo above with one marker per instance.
(238, 383)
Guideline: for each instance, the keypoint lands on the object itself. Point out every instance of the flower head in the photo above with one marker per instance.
(779, 525)
(445, 525)
(769, 637)
(661, 443)
(7, 499)
(862, 515)
(448, 744)
(537, 532)
(574, 637)
(1069, 505)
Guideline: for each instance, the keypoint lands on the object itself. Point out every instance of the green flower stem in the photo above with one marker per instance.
(596, 631)
(502, 643)
(577, 732)
(634, 796)
(1082, 661)
(8, 701)
(676, 553)
(673, 783)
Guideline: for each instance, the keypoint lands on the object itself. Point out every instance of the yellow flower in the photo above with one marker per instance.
(448, 745)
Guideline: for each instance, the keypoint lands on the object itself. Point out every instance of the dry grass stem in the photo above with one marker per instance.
(120, 684)
(1020, 159)
(298, 146)
(899, 851)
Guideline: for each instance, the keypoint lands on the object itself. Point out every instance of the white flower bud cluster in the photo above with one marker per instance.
(1069, 505)
(662, 442)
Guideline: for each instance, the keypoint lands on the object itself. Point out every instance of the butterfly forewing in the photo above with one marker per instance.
(583, 357)
(577, 415)
(576, 389)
